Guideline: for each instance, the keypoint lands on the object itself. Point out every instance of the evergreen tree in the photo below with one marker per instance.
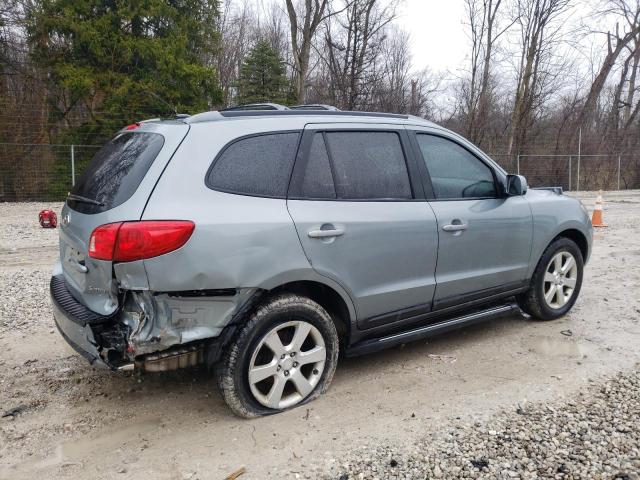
(112, 62)
(262, 76)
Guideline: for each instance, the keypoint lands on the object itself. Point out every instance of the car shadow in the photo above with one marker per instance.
(195, 389)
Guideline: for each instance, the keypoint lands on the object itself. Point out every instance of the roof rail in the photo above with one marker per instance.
(292, 113)
(204, 117)
(255, 106)
(315, 106)
(223, 114)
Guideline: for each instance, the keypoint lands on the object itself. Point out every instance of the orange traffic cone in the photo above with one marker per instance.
(596, 219)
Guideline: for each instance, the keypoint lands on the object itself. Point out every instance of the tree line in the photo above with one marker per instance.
(540, 76)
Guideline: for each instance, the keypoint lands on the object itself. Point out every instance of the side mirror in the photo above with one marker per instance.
(516, 185)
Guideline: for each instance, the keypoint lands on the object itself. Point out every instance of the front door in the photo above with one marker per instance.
(484, 236)
(361, 222)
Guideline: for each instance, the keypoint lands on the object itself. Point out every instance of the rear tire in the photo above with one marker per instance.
(556, 281)
(283, 357)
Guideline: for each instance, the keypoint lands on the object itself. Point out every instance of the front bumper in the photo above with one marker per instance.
(74, 321)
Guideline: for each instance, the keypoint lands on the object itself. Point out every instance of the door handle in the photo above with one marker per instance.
(455, 227)
(334, 232)
(78, 266)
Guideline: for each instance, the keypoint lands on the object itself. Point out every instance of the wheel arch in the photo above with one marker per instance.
(325, 296)
(578, 237)
(545, 232)
(532, 301)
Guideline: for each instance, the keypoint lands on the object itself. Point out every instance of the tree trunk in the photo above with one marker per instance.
(598, 84)
(632, 83)
(301, 40)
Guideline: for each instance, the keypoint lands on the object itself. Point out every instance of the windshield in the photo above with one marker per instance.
(115, 172)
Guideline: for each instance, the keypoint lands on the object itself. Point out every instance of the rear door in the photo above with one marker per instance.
(362, 221)
(114, 187)
(484, 236)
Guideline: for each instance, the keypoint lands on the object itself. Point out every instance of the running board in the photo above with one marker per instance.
(374, 345)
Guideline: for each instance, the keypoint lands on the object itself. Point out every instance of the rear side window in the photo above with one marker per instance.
(318, 181)
(115, 172)
(368, 165)
(259, 166)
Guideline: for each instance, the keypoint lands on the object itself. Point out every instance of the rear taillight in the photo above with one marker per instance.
(128, 241)
(103, 241)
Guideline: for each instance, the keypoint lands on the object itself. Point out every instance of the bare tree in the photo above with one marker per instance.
(304, 20)
(353, 43)
(272, 25)
(24, 109)
(394, 80)
(484, 32)
(537, 22)
(629, 111)
(236, 27)
(425, 86)
(395, 86)
(618, 105)
(616, 43)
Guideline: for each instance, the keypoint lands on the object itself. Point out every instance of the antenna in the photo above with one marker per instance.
(173, 108)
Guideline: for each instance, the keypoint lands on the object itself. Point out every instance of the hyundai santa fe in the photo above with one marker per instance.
(264, 244)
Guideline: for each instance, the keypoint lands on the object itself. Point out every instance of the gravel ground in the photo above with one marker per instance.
(19, 311)
(20, 231)
(25, 266)
(593, 436)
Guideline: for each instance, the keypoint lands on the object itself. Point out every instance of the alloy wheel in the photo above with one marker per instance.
(560, 279)
(287, 364)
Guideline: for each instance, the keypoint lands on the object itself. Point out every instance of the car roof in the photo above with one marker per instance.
(325, 116)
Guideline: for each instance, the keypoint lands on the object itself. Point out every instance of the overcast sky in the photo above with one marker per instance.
(437, 36)
(436, 29)
(439, 39)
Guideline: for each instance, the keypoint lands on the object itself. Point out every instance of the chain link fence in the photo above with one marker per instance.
(581, 172)
(46, 172)
(575, 172)
(40, 172)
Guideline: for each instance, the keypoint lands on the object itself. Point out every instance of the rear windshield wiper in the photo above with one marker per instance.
(81, 199)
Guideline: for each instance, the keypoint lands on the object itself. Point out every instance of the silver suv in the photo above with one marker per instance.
(265, 243)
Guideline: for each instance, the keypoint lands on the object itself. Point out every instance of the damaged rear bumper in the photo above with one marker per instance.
(153, 331)
(73, 321)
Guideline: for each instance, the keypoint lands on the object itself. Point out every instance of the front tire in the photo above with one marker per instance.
(556, 281)
(284, 356)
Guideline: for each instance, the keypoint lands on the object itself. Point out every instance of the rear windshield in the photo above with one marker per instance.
(115, 172)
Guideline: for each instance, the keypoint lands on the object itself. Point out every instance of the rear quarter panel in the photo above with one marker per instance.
(96, 289)
(239, 241)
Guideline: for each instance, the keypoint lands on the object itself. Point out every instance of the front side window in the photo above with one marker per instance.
(259, 165)
(455, 172)
(368, 165)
